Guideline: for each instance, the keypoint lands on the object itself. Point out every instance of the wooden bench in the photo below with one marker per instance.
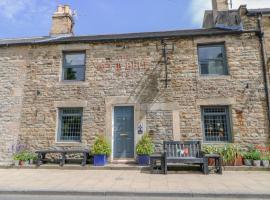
(63, 151)
(188, 152)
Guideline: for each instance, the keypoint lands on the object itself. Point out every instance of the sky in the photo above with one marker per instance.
(28, 18)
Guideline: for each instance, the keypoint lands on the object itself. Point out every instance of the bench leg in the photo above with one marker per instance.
(63, 159)
(39, 159)
(84, 159)
(151, 165)
(165, 167)
(205, 166)
(220, 165)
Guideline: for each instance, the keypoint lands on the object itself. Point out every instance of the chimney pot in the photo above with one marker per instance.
(62, 21)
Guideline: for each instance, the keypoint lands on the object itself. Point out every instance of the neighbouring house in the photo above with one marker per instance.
(208, 84)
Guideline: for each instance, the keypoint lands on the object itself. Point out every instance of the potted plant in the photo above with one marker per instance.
(228, 153)
(256, 158)
(144, 148)
(247, 158)
(101, 150)
(238, 161)
(265, 161)
(265, 155)
(31, 157)
(20, 158)
(210, 149)
(17, 159)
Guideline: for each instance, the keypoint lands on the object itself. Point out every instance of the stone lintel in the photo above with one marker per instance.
(215, 101)
(70, 104)
(160, 106)
(74, 47)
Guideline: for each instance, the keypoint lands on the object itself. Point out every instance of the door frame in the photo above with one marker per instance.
(134, 131)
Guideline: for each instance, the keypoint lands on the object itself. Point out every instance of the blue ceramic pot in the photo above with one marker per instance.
(143, 160)
(100, 160)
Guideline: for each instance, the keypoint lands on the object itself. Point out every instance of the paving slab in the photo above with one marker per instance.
(125, 181)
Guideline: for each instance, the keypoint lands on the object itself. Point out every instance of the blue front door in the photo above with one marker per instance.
(123, 132)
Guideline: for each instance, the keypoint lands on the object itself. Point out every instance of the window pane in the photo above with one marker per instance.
(212, 60)
(74, 59)
(211, 52)
(71, 120)
(216, 124)
(74, 73)
(213, 67)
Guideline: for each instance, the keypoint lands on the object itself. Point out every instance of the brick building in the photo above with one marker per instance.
(208, 84)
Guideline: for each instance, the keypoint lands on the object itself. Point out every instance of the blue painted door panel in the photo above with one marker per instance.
(123, 132)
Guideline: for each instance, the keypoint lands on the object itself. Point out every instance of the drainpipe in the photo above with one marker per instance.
(261, 39)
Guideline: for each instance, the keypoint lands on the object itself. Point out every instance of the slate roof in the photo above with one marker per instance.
(117, 37)
(260, 10)
(231, 18)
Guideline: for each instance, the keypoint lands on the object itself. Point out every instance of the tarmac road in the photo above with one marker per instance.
(78, 197)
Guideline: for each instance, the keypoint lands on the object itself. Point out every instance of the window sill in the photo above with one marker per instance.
(216, 143)
(214, 77)
(72, 83)
(68, 143)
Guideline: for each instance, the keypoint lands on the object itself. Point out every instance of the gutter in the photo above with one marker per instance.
(264, 67)
(124, 37)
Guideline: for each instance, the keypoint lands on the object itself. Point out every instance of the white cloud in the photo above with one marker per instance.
(10, 9)
(197, 7)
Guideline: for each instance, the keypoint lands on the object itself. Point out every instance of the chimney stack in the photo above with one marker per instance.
(220, 5)
(62, 21)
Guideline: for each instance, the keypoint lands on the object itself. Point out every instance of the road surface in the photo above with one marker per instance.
(77, 197)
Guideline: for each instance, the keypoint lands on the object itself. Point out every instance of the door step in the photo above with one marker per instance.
(123, 161)
(109, 166)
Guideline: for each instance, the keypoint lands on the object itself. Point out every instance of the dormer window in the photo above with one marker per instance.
(73, 66)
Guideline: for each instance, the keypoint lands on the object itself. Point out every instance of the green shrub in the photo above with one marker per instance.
(248, 155)
(210, 149)
(30, 156)
(265, 158)
(24, 156)
(101, 146)
(228, 153)
(17, 156)
(255, 155)
(145, 146)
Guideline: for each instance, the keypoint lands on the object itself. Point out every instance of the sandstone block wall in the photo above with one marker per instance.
(13, 62)
(133, 69)
(32, 90)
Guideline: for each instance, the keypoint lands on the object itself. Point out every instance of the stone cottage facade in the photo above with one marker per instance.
(208, 84)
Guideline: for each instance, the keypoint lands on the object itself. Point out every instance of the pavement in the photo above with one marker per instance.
(235, 184)
(65, 197)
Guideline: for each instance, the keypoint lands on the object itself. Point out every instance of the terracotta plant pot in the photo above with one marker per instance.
(21, 163)
(256, 163)
(211, 162)
(230, 163)
(238, 161)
